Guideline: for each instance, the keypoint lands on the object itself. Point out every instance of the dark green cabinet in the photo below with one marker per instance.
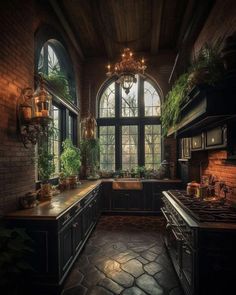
(106, 191)
(66, 248)
(77, 232)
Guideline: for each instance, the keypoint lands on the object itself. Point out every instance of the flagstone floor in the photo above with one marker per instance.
(124, 255)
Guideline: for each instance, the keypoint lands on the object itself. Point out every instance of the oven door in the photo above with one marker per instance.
(173, 241)
(187, 267)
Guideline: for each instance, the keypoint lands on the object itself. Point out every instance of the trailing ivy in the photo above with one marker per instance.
(173, 101)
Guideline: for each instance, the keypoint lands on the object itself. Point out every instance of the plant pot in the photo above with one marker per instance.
(45, 193)
(28, 201)
(197, 77)
(72, 181)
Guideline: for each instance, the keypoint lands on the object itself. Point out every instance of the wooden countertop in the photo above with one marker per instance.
(147, 180)
(59, 204)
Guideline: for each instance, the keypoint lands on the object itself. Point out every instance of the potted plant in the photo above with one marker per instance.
(90, 157)
(141, 170)
(207, 66)
(59, 82)
(70, 161)
(46, 168)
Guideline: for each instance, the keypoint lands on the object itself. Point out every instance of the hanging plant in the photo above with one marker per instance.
(207, 66)
(59, 82)
(172, 105)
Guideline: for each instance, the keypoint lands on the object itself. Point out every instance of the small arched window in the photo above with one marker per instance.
(54, 65)
(129, 126)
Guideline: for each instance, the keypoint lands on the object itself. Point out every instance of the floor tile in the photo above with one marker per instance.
(124, 255)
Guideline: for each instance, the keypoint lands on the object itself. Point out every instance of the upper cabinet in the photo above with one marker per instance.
(207, 107)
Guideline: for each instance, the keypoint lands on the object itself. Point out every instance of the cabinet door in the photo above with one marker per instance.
(77, 232)
(148, 196)
(119, 200)
(106, 196)
(197, 142)
(216, 138)
(66, 247)
(136, 201)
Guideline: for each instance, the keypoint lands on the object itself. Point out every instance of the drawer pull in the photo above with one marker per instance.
(75, 224)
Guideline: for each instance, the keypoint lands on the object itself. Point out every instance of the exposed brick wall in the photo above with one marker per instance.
(16, 72)
(19, 21)
(218, 166)
(220, 23)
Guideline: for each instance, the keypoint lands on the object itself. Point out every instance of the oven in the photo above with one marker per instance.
(173, 240)
(178, 240)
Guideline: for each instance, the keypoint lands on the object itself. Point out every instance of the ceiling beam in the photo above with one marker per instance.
(101, 30)
(157, 8)
(66, 26)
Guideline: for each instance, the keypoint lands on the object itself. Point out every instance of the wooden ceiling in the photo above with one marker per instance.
(102, 28)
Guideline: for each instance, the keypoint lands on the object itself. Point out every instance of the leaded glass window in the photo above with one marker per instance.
(152, 146)
(107, 147)
(129, 147)
(107, 102)
(151, 100)
(129, 104)
(129, 126)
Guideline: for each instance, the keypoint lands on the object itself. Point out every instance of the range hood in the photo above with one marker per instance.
(207, 107)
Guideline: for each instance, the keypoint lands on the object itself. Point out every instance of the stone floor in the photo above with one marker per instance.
(124, 255)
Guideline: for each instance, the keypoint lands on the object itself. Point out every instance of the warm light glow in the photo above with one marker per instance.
(126, 69)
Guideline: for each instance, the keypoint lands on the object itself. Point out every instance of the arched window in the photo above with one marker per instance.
(54, 65)
(129, 126)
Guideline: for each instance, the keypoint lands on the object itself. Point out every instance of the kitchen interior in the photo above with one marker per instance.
(117, 147)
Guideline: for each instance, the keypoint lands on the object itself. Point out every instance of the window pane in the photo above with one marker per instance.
(129, 147)
(56, 138)
(151, 100)
(107, 102)
(107, 147)
(53, 63)
(129, 102)
(152, 146)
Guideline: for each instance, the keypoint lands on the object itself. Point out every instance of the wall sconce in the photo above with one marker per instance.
(33, 114)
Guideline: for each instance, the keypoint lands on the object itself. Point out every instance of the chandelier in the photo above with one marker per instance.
(126, 69)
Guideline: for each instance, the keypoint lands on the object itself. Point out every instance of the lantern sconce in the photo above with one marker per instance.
(33, 114)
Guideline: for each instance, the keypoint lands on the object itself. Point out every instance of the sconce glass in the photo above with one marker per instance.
(33, 112)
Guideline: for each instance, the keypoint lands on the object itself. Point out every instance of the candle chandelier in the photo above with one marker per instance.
(126, 69)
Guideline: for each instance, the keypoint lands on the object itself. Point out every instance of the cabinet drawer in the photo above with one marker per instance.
(66, 217)
(216, 138)
(197, 142)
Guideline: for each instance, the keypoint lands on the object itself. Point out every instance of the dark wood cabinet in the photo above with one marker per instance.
(197, 142)
(106, 191)
(216, 138)
(66, 248)
(127, 200)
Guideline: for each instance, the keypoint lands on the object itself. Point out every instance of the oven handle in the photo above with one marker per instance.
(170, 222)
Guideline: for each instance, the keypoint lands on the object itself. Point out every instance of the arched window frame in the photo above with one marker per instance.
(68, 111)
(118, 121)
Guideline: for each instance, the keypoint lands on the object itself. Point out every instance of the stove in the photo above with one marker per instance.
(200, 238)
(204, 210)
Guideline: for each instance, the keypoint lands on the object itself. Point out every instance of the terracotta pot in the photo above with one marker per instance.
(45, 193)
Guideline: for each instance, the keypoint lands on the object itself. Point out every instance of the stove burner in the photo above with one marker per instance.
(205, 211)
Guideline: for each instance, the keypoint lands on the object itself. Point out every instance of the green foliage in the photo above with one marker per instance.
(46, 165)
(206, 68)
(90, 149)
(70, 158)
(141, 170)
(172, 103)
(208, 59)
(58, 80)
(14, 248)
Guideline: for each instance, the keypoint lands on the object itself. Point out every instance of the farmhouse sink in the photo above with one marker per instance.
(127, 184)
